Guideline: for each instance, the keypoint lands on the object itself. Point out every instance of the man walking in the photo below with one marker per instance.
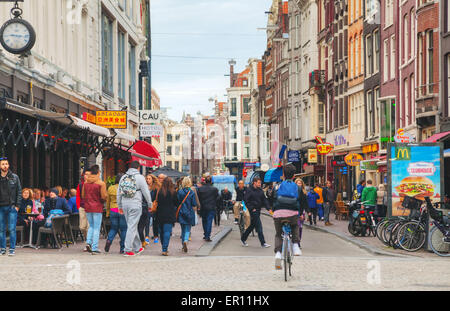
(132, 188)
(329, 196)
(319, 191)
(240, 192)
(254, 200)
(369, 196)
(84, 224)
(10, 198)
(208, 196)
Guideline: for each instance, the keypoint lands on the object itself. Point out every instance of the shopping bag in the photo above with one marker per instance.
(223, 216)
(195, 219)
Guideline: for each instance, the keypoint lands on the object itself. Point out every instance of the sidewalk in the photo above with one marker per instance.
(371, 244)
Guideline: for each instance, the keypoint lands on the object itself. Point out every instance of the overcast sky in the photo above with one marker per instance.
(206, 33)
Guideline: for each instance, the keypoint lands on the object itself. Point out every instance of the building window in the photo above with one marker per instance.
(389, 13)
(245, 105)
(447, 18)
(430, 61)
(177, 137)
(107, 55)
(246, 152)
(169, 138)
(233, 107)
(377, 110)
(350, 59)
(376, 38)
(169, 164)
(405, 38)
(233, 130)
(393, 57)
(177, 151)
(404, 108)
(121, 65)
(370, 117)
(132, 76)
(169, 150)
(369, 52)
(386, 61)
(235, 150)
(420, 64)
(177, 166)
(448, 82)
(412, 100)
(247, 128)
(412, 35)
(321, 118)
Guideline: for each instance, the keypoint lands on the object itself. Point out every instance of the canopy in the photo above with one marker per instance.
(146, 154)
(273, 175)
(436, 137)
(169, 172)
(223, 179)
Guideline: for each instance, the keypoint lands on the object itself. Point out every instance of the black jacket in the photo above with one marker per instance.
(208, 196)
(57, 203)
(15, 189)
(167, 208)
(255, 199)
(226, 196)
(240, 194)
(328, 195)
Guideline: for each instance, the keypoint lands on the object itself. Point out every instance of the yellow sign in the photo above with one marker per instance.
(353, 159)
(89, 117)
(116, 119)
(370, 148)
(312, 156)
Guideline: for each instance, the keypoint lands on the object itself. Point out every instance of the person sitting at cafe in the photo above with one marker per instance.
(55, 202)
(72, 202)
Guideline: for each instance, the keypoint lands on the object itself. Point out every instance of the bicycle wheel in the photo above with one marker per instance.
(393, 238)
(290, 253)
(379, 229)
(387, 233)
(285, 257)
(437, 244)
(411, 236)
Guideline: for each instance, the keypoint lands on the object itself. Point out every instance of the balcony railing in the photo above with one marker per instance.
(316, 78)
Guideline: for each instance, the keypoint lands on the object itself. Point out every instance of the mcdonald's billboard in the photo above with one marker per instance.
(415, 170)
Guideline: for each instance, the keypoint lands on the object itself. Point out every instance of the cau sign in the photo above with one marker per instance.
(149, 116)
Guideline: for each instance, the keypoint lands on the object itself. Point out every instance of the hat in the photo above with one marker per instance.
(55, 191)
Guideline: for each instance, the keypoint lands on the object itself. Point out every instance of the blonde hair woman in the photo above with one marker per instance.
(301, 183)
(301, 218)
(185, 211)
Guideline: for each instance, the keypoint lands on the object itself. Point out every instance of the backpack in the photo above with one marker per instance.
(128, 186)
(53, 213)
(288, 189)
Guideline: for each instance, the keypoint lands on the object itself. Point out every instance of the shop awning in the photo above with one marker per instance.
(145, 154)
(99, 130)
(273, 175)
(124, 136)
(436, 137)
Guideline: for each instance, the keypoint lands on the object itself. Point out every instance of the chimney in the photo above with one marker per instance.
(232, 62)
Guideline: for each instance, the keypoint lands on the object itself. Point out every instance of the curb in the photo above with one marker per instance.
(367, 247)
(208, 247)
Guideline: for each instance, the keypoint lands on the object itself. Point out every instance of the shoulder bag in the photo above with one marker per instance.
(179, 207)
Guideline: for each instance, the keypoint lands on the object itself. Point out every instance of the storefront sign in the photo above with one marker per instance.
(323, 147)
(338, 163)
(370, 148)
(116, 119)
(403, 137)
(149, 116)
(293, 156)
(312, 156)
(368, 165)
(415, 171)
(151, 131)
(340, 140)
(353, 159)
(89, 117)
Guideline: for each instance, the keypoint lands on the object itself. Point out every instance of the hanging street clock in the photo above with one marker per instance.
(17, 36)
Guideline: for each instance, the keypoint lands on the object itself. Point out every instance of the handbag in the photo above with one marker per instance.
(179, 207)
(155, 203)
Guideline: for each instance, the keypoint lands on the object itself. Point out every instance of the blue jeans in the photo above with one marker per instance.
(207, 220)
(320, 210)
(185, 232)
(8, 214)
(165, 230)
(118, 225)
(95, 223)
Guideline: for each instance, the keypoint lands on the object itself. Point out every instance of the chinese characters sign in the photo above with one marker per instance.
(112, 119)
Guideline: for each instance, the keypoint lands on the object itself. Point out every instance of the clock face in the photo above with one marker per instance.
(17, 36)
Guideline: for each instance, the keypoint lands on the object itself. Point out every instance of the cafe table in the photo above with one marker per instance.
(30, 242)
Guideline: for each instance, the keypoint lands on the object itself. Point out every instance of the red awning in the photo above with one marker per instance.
(436, 137)
(145, 154)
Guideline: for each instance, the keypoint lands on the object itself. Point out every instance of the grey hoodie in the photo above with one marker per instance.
(142, 191)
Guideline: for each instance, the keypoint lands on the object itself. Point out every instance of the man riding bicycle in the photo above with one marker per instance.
(290, 201)
(240, 193)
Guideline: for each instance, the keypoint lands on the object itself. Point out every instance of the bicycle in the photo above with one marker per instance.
(439, 237)
(286, 250)
(411, 234)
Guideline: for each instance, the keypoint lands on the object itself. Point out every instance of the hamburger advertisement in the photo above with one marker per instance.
(415, 172)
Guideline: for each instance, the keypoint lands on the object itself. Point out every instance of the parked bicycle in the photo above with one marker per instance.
(439, 236)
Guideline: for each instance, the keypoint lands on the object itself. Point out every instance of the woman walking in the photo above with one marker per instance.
(301, 218)
(144, 222)
(186, 212)
(118, 222)
(165, 213)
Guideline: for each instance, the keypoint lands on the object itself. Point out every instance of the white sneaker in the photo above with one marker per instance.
(266, 245)
(296, 249)
(244, 243)
(278, 261)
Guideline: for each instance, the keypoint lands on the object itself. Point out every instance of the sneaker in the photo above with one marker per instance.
(122, 252)
(236, 222)
(185, 247)
(265, 245)
(97, 252)
(147, 240)
(2, 252)
(88, 248)
(129, 254)
(208, 240)
(244, 243)
(156, 240)
(165, 253)
(144, 244)
(12, 252)
(140, 251)
(278, 261)
(107, 246)
(296, 250)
